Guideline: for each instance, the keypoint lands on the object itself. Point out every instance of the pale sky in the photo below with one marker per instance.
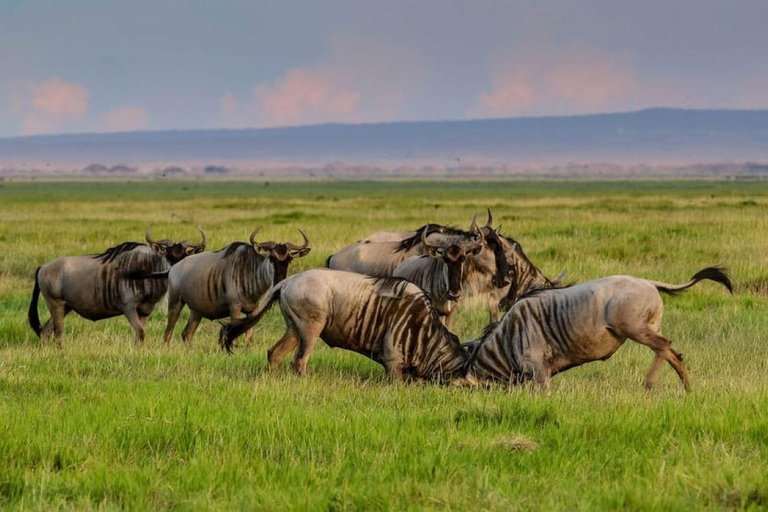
(108, 65)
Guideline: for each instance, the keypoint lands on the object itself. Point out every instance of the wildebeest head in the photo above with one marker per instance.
(493, 241)
(175, 252)
(280, 255)
(454, 255)
(525, 276)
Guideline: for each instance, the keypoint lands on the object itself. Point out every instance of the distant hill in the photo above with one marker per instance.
(655, 136)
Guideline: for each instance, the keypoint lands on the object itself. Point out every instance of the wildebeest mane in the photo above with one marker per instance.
(232, 248)
(412, 241)
(391, 287)
(113, 252)
(539, 291)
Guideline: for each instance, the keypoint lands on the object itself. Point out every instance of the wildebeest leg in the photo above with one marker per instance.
(307, 340)
(394, 370)
(175, 305)
(282, 348)
(58, 310)
(188, 334)
(664, 351)
(136, 322)
(392, 360)
(653, 373)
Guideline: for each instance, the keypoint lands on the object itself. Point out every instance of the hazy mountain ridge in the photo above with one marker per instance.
(652, 137)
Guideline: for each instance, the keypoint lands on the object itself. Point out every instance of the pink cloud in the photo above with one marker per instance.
(125, 119)
(362, 81)
(568, 80)
(52, 103)
(305, 96)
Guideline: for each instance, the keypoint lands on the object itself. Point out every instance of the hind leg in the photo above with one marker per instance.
(137, 323)
(175, 305)
(664, 352)
(282, 348)
(307, 340)
(188, 334)
(55, 325)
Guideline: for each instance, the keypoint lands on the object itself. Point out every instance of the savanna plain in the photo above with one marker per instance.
(101, 423)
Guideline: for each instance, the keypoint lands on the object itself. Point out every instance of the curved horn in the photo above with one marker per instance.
(489, 222)
(424, 242)
(299, 248)
(205, 239)
(473, 225)
(253, 236)
(148, 237)
(479, 241)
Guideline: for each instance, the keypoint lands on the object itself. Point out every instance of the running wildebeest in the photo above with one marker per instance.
(107, 285)
(550, 331)
(228, 282)
(389, 320)
(442, 271)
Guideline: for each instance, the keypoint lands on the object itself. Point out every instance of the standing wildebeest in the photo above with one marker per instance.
(227, 282)
(389, 320)
(441, 272)
(551, 331)
(106, 285)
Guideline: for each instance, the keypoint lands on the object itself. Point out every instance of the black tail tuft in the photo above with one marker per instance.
(716, 274)
(232, 330)
(33, 316)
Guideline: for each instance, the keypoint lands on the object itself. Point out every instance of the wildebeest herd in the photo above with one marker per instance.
(391, 297)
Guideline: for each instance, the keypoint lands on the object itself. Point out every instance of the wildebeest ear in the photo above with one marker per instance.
(476, 250)
(195, 249)
(301, 252)
(260, 249)
(159, 248)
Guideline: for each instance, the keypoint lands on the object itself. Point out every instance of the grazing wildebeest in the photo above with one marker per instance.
(389, 320)
(228, 282)
(442, 271)
(550, 331)
(106, 285)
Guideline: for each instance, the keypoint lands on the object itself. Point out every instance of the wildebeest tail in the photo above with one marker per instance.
(33, 316)
(716, 274)
(229, 332)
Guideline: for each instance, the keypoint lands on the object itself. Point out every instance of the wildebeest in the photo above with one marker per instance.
(441, 272)
(550, 331)
(379, 255)
(389, 320)
(106, 285)
(228, 282)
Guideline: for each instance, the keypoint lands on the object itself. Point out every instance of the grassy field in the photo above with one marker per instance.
(103, 424)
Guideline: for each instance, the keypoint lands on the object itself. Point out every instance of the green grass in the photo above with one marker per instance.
(102, 424)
